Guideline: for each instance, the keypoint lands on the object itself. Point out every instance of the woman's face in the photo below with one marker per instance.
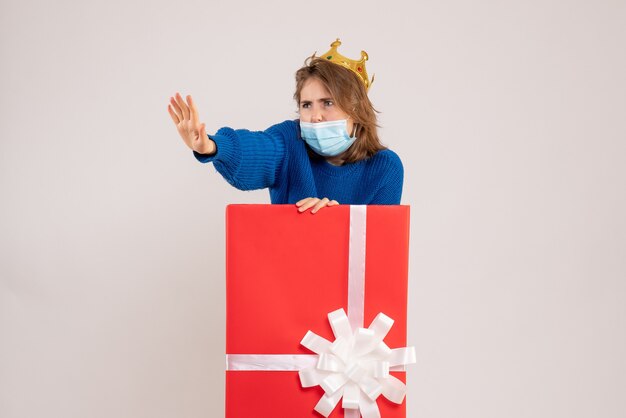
(317, 105)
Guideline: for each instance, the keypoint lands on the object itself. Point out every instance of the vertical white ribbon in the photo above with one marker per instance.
(351, 413)
(356, 265)
(356, 275)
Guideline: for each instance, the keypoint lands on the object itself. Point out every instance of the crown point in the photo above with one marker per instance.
(357, 67)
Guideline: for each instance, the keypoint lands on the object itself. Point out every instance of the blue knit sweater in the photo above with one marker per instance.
(277, 158)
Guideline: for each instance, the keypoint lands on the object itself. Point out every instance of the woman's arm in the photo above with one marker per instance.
(247, 160)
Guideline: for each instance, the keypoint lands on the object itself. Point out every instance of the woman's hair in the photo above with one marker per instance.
(349, 93)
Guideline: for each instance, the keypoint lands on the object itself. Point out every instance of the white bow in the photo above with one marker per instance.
(355, 366)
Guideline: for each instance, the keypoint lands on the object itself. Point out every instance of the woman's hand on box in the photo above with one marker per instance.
(315, 203)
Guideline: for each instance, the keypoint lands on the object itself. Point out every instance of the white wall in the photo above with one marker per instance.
(510, 120)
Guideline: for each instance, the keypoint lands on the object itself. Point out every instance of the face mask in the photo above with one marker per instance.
(328, 139)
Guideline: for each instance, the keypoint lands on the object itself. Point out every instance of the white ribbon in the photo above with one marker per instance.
(355, 367)
(278, 362)
(356, 265)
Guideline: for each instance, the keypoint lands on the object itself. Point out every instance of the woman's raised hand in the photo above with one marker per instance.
(315, 203)
(185, 117)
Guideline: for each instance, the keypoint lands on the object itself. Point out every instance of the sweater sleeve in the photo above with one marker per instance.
(392, 179)
(249, 160)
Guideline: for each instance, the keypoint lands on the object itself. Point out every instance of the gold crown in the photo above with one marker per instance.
(357, 67)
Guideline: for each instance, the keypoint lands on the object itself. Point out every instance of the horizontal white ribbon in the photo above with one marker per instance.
(286, 362)
(278, 362)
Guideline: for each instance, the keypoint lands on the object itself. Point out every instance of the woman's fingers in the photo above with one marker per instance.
(176, 108)
(303, 201)
(175, 117)
(182, 105)
(320, 205)
(307, 203)
(315, 203)
(194, 111)
(183, 110)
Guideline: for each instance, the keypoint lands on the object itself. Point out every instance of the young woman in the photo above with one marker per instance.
(330, 155)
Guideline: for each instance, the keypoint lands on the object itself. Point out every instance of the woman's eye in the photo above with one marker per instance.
(305, 105)
(328, 103)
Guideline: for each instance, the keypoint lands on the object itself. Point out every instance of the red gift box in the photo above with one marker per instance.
(285, 271)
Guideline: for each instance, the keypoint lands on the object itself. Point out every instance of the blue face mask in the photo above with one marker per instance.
(328, 139)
